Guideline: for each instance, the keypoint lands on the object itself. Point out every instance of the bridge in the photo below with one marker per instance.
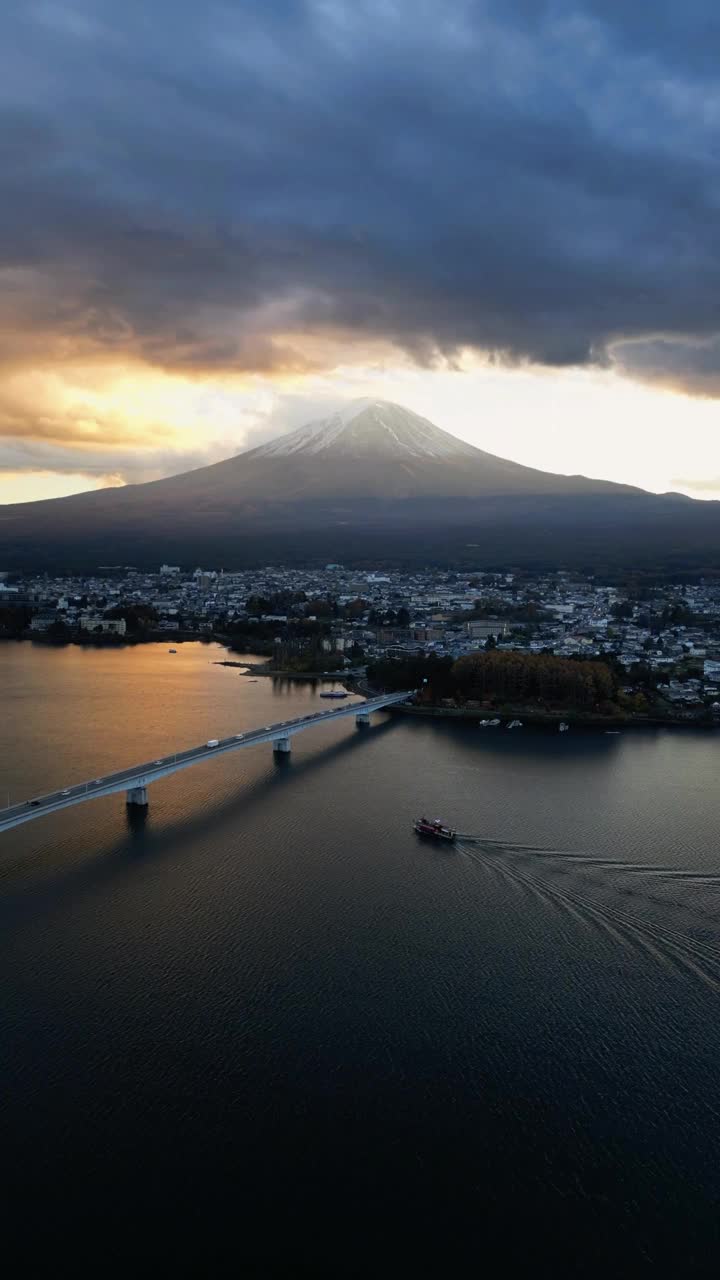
(136, 780)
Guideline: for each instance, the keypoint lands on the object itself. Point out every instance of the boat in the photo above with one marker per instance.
(515, 724)
(493, 724)
(335, 694)
(612, 732)
(434, 829)
(564, 726)
(172, 650)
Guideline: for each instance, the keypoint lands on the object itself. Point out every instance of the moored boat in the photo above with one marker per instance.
(434, 829)
(336, 693)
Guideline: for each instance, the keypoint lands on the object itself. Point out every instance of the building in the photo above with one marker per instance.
(43, 621)
(105, 626)
(481, 628)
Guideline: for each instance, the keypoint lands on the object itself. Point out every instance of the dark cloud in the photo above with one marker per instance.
(672, 362)
(197, 185)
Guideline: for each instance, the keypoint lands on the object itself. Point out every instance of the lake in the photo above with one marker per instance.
(264, 1021)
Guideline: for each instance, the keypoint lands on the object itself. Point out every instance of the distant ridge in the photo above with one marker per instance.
(372, 479)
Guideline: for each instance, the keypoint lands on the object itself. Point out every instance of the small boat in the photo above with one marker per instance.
(515, 724)
(434, 829)
(493, 724)
(564, 726)
(172, 650)
(334, 694)
(613, 732)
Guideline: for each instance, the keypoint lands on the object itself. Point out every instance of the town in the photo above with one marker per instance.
(660, 639)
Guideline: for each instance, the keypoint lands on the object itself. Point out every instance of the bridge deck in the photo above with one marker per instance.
(141, 775)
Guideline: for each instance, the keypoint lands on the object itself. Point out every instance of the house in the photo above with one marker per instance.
(481, 628)
(105, 626)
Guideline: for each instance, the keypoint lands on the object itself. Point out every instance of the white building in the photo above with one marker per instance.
(108, 626)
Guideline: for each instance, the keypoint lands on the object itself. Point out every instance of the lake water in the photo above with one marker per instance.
(267, 1021)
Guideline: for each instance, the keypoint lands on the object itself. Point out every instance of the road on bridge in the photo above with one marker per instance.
(141, 775)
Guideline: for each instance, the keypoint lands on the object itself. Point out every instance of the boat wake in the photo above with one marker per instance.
(672, 948)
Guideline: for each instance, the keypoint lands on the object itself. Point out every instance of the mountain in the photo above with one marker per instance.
(377, 449)
(372, 481)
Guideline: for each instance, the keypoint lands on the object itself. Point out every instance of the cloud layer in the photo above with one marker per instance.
(215, 188)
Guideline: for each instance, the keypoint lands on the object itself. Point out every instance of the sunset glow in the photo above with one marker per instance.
(124, 426)
(193, 264)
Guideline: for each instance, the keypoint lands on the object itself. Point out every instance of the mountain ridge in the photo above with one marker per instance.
(368, 471)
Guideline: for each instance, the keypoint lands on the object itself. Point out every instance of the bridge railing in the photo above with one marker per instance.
(136, 778)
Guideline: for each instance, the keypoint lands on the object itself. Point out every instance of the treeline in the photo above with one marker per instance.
(430, 673)
(14, 619)
(524, 678)
(296, 604)
(495, 607)
(498, 678)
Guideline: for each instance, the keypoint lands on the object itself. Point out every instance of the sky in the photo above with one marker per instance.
(219, 221)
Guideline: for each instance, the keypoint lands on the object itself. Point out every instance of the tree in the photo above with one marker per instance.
(356, 608)
(138, 617)
(14, 619)
(523, 678)
(58, 632)
(622, 609)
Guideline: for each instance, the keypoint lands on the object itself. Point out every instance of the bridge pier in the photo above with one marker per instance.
(281, 746)
(137, 795)
(362, 719)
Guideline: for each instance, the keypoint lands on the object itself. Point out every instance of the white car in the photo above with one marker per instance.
(159, 761)
(238, 736)
(98, 781)
(66, 792)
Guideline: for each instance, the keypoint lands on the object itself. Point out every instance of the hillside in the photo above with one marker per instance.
(373, 481)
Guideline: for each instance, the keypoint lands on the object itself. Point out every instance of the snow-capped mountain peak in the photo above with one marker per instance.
(364, 428)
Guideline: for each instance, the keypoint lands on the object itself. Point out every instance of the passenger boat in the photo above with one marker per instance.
(434, 829)
(335, 694)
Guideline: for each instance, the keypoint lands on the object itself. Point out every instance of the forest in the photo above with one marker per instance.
(502, 678)
(533, 678)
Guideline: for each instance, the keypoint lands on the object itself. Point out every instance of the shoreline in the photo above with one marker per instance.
(352, 681)
(261, 669)
(89, 639)
(551, 720)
